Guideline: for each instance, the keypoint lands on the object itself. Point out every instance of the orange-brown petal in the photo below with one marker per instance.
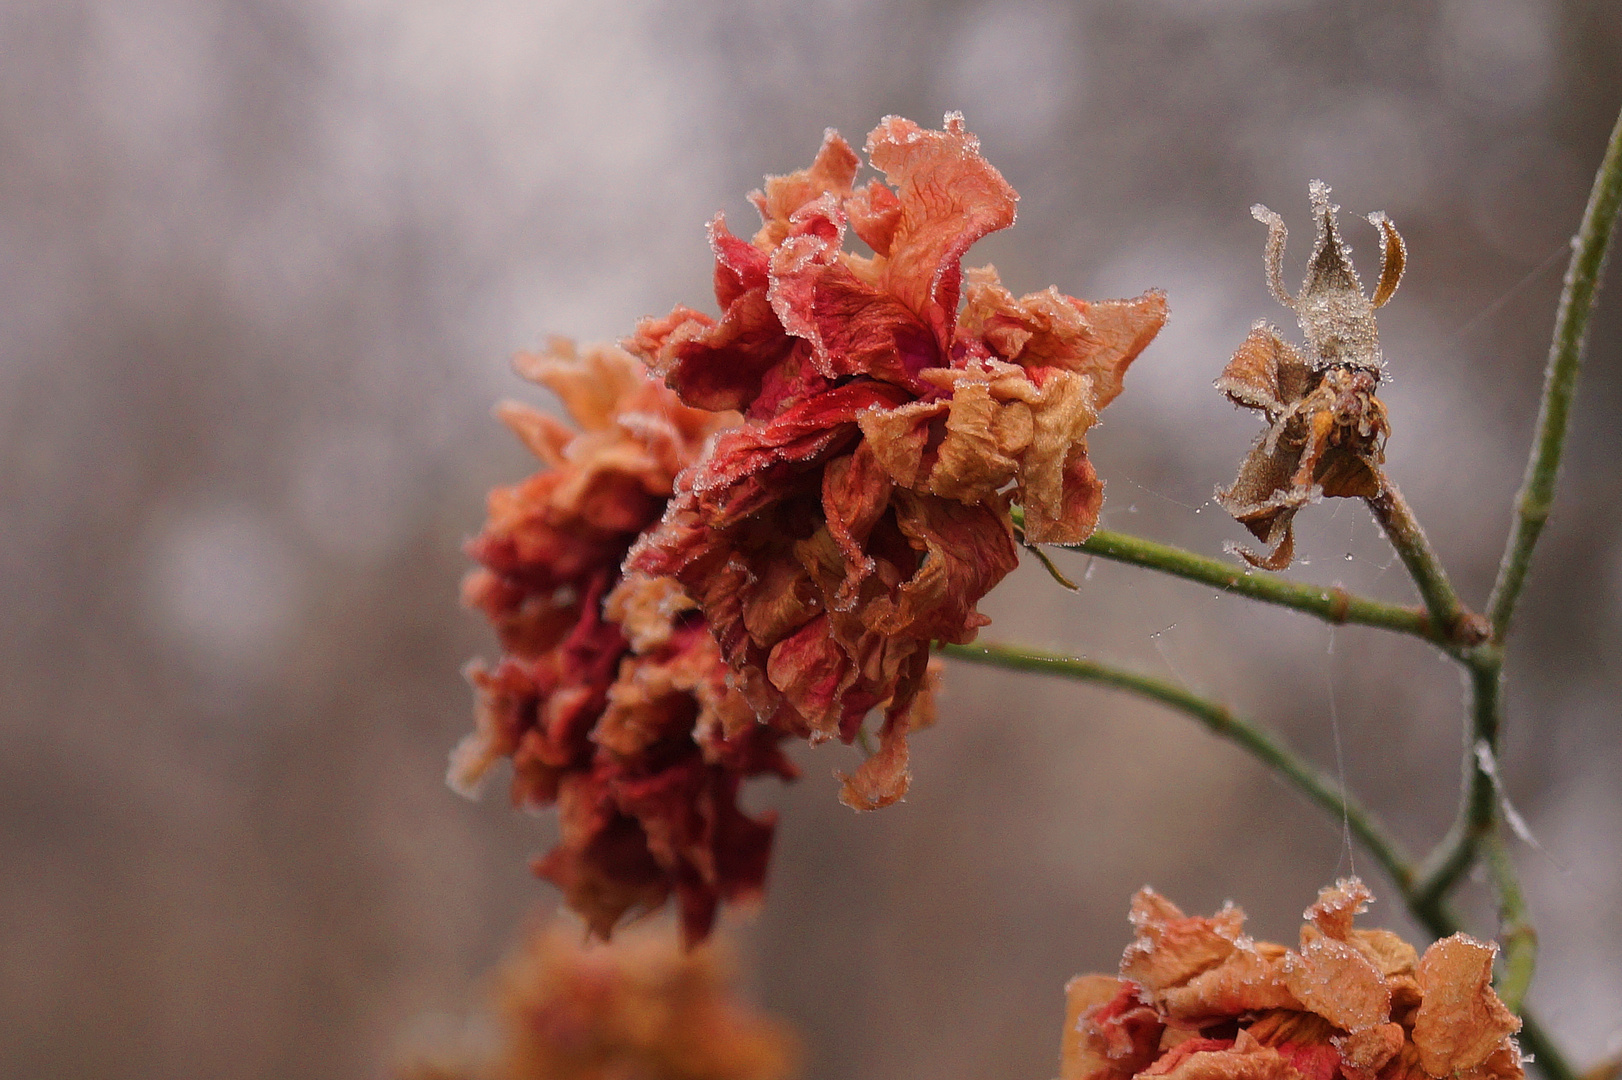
(1171, 947)
(1461, 1021)
(949, 198)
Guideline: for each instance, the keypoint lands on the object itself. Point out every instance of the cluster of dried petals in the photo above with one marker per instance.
(860, 512)
(635, 1009)
(621, 717)
(1198, 999)
(1326, 428)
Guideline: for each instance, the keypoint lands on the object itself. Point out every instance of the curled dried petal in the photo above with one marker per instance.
(1337, 982)
(1461, 1022)
(647, 609)
(1246, 1059)
(1108, 1033)
(1337, 905)
(1249, 978)
(1364, 1053)
(1171, 948)
(948, 197)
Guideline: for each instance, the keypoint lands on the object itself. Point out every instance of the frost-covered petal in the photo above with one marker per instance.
(1337, 982)
(852, 326)
(782, 196)
(1249, 978)
(1047, 329)
(949, 197)
(1171, 947)
(1461, 1022)
(1246, 1059)
(1108, 1033)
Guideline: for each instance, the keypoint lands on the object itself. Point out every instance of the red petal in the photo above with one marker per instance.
(949, 198)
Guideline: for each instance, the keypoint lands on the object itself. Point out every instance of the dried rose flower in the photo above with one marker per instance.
(860, 512)
(1326, 429)
(1197, 999)
(643, 749)
(636, 1009)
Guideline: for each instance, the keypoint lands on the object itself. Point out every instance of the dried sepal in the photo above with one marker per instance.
(1326, 427)
(1393, 258)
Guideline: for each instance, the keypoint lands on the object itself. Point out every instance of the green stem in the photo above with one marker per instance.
(1477, 818)
(1317, 787)
(1537, 1041)
(1331, 603)
(1515, 930)
(1536, 497)
(1434, 914)
(1453, 621)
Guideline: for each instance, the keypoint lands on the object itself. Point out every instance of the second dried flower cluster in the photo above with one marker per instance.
(1198, 999)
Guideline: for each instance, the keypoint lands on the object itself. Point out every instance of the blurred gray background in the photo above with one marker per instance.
(262, 268)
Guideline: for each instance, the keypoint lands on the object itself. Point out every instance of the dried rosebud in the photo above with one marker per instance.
(1198, 999)
(1326, 428)
(860, 512)
(619, 713)
(636, 1009)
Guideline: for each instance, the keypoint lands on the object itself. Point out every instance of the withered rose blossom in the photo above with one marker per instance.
(642, 749)
(1198, 999)
(892, 408)
(1326, 428)
(634, 1009)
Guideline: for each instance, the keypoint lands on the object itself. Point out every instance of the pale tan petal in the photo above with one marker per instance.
(899, 437)
(1098, 339)
(1389, 954)
(1338, 983)
(1504, 1063)
(1171, 948)
(590, 383)
(1337, 906)
(542, 434)
(1247, 1060)
(646, 608)
(1364, 1053)
(831, 173)
(1461, 1022)
(1252, 977)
